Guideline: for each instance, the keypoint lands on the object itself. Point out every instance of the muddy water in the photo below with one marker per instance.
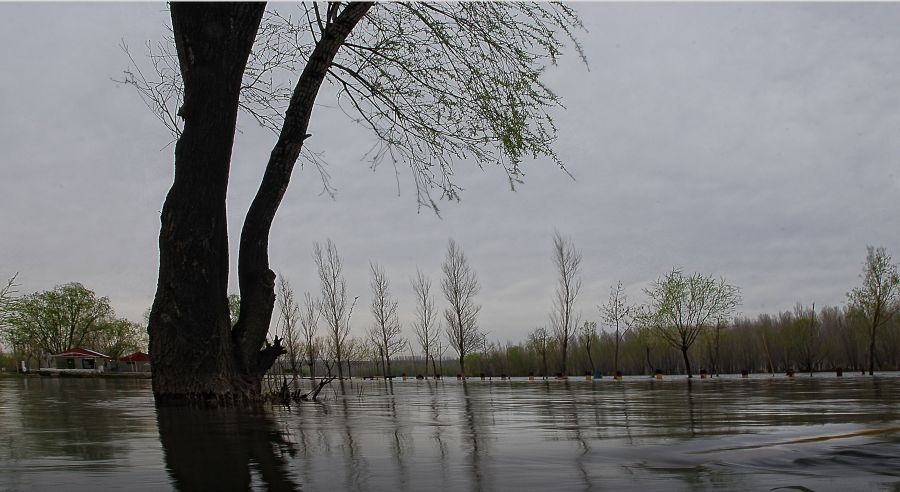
(822, 433)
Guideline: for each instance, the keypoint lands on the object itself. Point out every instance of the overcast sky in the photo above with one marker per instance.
(758, 142)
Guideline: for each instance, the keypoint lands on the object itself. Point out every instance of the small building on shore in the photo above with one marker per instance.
(80, 359)
(136, 362)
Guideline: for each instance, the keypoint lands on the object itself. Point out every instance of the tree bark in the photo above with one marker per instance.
(256, 279)
(190, 344)
(687, 362)
(195, 353)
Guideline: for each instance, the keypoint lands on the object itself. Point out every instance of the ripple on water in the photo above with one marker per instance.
(761, 433)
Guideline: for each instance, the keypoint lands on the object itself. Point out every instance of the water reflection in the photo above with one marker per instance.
(224, 449)
(472, 445)
(473, 435)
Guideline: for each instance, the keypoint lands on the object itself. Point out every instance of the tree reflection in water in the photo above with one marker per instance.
(224, 449)
(733, 434)
(471, 440)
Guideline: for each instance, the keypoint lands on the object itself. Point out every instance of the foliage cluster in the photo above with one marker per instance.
(66, 316)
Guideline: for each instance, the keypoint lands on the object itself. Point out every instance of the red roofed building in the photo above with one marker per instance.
(136, 362)
(80, 358)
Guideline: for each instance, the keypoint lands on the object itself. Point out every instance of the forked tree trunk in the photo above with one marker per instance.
(195, 353)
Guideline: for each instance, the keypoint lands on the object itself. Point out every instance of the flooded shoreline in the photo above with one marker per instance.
(824, 433)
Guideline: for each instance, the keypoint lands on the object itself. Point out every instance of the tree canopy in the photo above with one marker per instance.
(435, 83)
(877, 300)
(67, 316)
(680, 307)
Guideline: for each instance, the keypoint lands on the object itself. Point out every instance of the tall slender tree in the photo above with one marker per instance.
(289, 322)
(878, 298)
(460, 286)
(333, 303)
(426, 325)
(385, 332)
(563, 319)
(309, 327)
(616, 313)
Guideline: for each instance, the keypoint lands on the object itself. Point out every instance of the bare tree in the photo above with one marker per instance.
(539, 341)
(441, 350)
(878, 299)
(309, 327)
(427, 328)
(333, 304)
(682, 307)
(562, 319)
(460, 286)
(290, 322)
(354, 350)
(8, 292)
(385, 333)
(7, 296)
(588, 335)
(616, 313)
(806, 334)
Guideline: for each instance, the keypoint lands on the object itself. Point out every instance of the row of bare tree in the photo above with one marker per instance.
(682, 310)
(298, 325)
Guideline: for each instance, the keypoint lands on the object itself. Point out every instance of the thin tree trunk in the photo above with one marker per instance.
(872, 350)
(616, 362)
(687, 361)
(590, 358)
(544, 360)
(716, 362)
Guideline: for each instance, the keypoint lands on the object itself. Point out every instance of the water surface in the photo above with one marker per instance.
(823, 433)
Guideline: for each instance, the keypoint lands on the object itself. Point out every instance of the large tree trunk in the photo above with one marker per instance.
(191, 349)
(195, 353)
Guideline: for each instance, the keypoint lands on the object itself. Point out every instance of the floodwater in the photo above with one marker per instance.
(764, 433)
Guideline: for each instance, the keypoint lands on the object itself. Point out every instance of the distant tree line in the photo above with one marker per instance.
(686, 324)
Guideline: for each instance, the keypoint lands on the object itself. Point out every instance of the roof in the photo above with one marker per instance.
(80, 352)
(135, 357)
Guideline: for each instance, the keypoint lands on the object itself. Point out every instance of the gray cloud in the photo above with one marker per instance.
(753, 141)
